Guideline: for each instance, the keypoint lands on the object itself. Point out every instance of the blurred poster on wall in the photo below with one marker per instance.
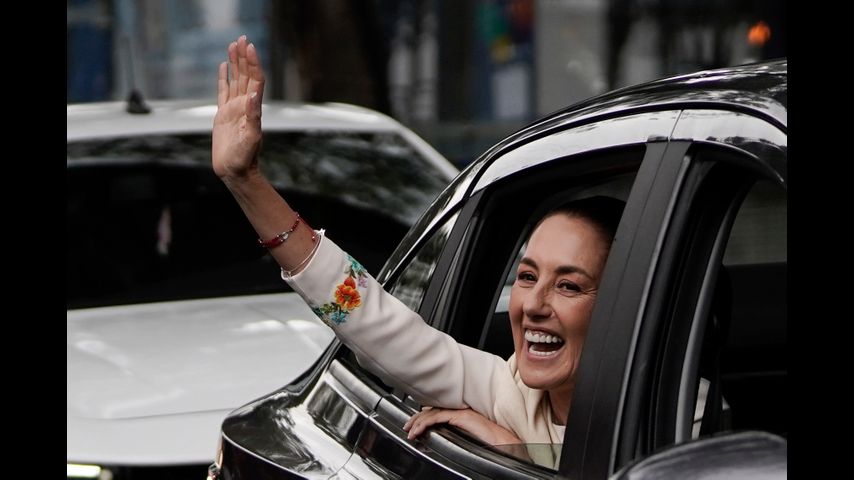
(504, 60)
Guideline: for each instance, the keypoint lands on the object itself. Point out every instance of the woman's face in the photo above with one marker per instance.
(552, 299)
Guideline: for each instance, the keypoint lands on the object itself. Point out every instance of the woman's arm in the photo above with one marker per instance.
(388, 338)
(235, 145)
(394, 342)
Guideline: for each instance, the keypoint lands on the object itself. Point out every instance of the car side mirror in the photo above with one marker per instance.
(754, 455)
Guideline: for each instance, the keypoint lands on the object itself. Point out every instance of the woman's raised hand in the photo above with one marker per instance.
(237, 124)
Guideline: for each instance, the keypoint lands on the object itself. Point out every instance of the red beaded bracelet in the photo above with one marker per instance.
(280, 238)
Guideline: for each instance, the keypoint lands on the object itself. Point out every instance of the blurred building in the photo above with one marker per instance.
(462, 73)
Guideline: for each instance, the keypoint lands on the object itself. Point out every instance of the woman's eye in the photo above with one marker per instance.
(569, 287)
(526, 277)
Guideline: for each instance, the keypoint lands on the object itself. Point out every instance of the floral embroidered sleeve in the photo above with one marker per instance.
(393, 341)
(347, 297)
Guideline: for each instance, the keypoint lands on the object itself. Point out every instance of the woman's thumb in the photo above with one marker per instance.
(254, 109)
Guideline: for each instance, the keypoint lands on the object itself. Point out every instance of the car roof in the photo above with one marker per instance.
(765, 83)
(758, 89)
(108, 119)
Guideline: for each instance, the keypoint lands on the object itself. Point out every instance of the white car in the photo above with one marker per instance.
(175, 315)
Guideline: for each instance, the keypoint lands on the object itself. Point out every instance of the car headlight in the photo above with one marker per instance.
(77, 470)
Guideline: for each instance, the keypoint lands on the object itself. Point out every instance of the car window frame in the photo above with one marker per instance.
(681, 298)
(723, 184)
(614, 391)
(601, 378)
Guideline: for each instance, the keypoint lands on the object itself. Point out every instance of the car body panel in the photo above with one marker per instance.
(754, 455)
(174, 362)
(141, 441)
(292, 428)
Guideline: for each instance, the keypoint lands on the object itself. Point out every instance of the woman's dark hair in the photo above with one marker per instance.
(603, 212)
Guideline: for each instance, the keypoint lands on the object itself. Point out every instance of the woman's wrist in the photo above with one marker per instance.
(505, 437)
(236, 181)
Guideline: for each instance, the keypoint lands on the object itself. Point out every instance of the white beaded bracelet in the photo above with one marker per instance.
(318, 234)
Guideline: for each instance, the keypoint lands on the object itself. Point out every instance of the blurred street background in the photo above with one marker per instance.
(462, 74)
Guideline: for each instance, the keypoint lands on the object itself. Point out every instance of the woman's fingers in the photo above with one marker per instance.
(242, 66)
(222, 85)
(465, 419)
(256, 74)
(232, 60)
(253, 111)
(241, 76)
(423, 420)
(412, 419)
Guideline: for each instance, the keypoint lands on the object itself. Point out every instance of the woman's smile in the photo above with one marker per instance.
(542, 345)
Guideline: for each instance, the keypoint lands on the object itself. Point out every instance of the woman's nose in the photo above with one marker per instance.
(537, 303)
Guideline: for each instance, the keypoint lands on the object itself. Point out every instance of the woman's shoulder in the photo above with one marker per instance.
(529, 396)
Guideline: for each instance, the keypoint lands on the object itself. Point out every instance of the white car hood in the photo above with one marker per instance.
(151, 383)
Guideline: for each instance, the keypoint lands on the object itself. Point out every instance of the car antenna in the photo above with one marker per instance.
(135, 102)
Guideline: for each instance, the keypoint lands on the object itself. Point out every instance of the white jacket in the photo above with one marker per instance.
(396, 344)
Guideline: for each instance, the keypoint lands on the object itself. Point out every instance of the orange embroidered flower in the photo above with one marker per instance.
(347, 296)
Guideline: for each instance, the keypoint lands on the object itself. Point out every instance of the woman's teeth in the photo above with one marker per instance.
(543, 344)
(539, 337)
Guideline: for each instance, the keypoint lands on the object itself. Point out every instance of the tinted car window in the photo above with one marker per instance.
(147, 219)
(744, 356)
(413, 282)
(759, 232)
(148, 232)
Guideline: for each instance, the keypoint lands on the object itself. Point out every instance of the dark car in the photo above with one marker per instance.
(684, 364)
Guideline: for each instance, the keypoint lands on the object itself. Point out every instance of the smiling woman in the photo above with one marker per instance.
(555, 289)
(551, 301)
